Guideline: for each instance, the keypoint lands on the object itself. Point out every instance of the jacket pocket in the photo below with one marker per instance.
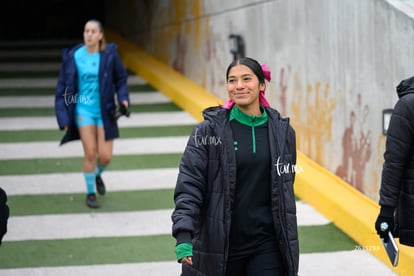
(405, 211)
(189, 270)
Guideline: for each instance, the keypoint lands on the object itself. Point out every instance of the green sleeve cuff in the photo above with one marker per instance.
(183, 250)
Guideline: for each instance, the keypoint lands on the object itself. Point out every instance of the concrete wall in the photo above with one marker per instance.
(335, 64)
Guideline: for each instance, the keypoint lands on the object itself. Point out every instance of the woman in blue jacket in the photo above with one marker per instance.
(235, 210)
(91, 75)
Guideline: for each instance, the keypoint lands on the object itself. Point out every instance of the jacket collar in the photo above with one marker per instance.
(248, 120)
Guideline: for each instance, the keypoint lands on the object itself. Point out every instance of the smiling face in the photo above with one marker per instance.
(244, 88)
(92, 34)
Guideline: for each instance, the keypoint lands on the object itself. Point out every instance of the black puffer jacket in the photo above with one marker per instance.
(397, 184)
(205, 190)
(4, 214)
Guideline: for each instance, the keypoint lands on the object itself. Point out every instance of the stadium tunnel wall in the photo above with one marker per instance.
(335, 65)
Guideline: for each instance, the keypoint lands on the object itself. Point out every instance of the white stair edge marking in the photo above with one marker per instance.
(309, 216)
(51, 82)
(49, 101)
(150, 145)
(341, 263)
(172, 268)
(114, 224)
(73, 226)
(135, 120)
(69, 183)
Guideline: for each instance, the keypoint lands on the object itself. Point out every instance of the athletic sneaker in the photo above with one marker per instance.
(100, 186)
(91, 201)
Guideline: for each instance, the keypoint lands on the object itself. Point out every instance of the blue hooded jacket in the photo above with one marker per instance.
(112, 81)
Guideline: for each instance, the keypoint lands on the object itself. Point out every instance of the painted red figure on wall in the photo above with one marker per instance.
(356, 146)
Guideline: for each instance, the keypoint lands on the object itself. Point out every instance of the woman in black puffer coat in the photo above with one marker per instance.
(397, 184)
(235, 210)
(4, 214)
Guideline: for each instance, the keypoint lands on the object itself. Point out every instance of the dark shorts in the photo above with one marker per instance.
(268, 263)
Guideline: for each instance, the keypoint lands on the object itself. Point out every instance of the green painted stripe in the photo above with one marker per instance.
(27, 91)
(29, 74)
(324, 238)
(159, 107)
(36, 45)
(141, 88)
(178, 130)
(74, 164)
(28, 205)
(113, 201)
(87, 251)
(139, 249)
(15, 136)
(35, 74)
(50, 111)
(51, 90)
(31, 59)
(7, 112)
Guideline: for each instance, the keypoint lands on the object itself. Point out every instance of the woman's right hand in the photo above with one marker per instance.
(184, 253)
(187, 260)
